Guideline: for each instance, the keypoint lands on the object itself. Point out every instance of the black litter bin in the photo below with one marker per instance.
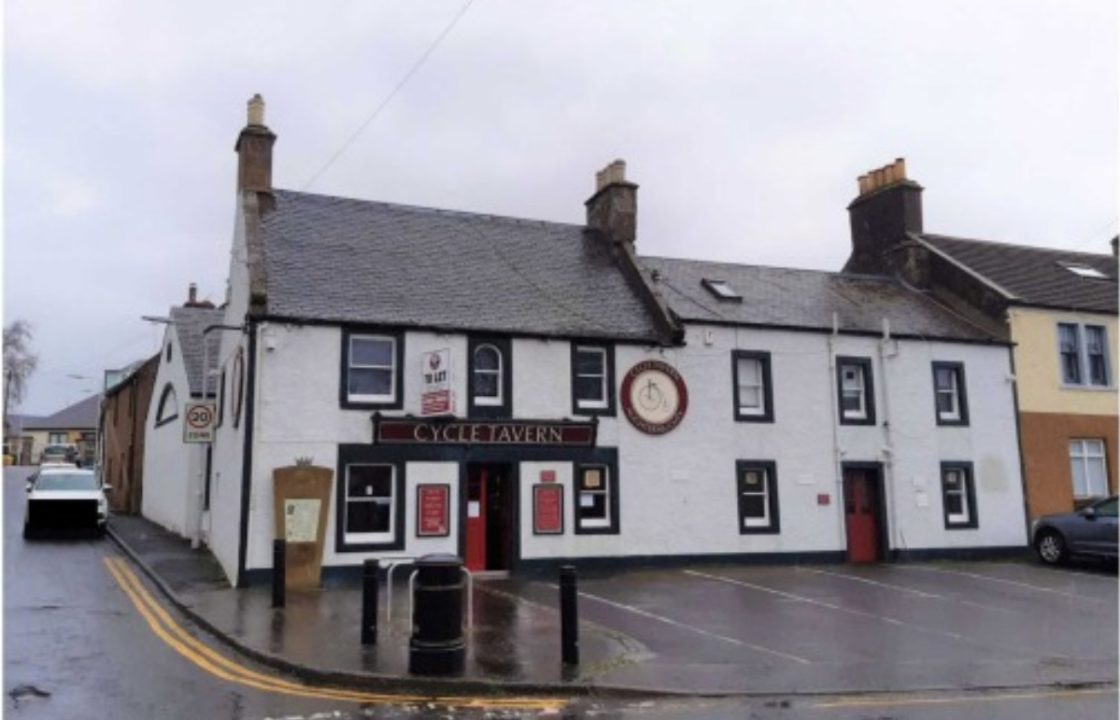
(437, 646)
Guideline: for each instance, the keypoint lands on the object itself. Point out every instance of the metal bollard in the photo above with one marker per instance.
(279, 557)
(569, 616)
(437, 645)
(370, 568)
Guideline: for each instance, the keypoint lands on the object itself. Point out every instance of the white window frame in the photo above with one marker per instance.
(604, 490)
(488, 400)
(964, 516)
(586, 403)
(861, 413)
(764, 521)
(1081, 348)
(1079, 452)
(391, 396)
(759, 386)
(366, 538)
(953, 393)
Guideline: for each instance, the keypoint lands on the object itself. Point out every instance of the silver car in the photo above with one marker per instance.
(1091, 531)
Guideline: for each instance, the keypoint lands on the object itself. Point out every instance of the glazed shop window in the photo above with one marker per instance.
(758, 497)
(1088, 468)
(750, 373)
(856, 392)
(372, 372)
(370, 506)
(958, 496)
(595, 499)
(949, 393)
(592, 371)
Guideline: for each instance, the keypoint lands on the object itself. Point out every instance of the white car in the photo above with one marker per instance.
(65, 499)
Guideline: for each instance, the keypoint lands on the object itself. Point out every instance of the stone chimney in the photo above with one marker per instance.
(254, 150)
(1115, 242)
(192, 298)
(613, 209)
(889, 206)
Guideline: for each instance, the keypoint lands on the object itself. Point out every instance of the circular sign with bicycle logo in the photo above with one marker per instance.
(654, 397)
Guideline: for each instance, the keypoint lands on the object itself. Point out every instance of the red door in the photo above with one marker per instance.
(476, 520)
(861, 515)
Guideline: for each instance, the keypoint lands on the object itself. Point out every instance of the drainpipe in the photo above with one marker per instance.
(837, 466)
(888, 449)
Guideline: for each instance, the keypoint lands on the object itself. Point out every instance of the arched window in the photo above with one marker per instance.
(168, 409)
(167, 355)
(487, 375)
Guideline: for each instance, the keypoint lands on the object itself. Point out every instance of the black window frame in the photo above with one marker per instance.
(344, 400)
(505, 348)
(167, 353)
(608, 350)
(400, 485)
(168, 388)
(767, 416)
(866, 367)
(221, 398)
(957, 368)
(966, 468)
(770, 467)
(612, 499)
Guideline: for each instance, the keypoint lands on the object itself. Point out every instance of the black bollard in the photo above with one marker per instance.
(437, 646)
(369, 602)
(279, 553)
(569, 616)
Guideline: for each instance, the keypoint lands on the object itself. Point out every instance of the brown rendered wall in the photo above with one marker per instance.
(125, 413)
(1046, 439)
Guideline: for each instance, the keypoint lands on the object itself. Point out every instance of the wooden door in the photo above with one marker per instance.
(861, 515)
(476, 519)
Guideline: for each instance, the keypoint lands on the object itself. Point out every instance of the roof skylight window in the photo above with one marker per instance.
(721, 289)
(1083, 270)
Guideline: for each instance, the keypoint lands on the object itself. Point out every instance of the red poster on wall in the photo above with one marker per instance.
(432, 510)
(548, 510)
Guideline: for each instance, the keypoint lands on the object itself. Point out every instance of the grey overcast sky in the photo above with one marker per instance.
(745, 123)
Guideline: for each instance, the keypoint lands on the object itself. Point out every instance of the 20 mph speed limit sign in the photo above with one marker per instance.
(198, 426)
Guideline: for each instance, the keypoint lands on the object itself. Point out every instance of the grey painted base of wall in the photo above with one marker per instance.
(337, 575)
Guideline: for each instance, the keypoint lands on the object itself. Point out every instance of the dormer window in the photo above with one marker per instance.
(1083, 270)
(721, 290)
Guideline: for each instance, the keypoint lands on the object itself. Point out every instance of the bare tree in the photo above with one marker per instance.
(19, 363)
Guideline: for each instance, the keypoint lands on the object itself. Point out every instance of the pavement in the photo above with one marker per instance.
(703, 630)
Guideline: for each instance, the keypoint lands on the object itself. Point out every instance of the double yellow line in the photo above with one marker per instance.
(206, 658)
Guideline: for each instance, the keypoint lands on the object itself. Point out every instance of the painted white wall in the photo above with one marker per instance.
(677, 491)
(173, 470)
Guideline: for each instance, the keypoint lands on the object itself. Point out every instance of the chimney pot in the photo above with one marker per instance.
(192, 294)
(1115, 243)
(256, 110)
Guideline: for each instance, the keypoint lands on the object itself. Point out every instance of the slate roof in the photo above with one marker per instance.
(17, 422)
(805, 298)
(342, 260)
(1033, 275)
(189, 323)
(82, 415)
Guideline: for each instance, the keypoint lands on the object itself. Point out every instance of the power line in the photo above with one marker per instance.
(392, 93)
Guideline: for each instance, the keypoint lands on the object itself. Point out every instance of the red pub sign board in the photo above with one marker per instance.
(411, 431)
(432, 510)
(548, 510)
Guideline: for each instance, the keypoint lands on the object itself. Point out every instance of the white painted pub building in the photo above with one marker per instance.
(520, 393)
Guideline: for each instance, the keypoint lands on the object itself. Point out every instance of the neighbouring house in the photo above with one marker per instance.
(1058, 308)
(124, 414)
(524, 393)
(72, 425)
(173, 470)
(19, 443)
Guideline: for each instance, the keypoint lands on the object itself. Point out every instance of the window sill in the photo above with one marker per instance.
(760, 530)
(1088, 388)
(361, 404)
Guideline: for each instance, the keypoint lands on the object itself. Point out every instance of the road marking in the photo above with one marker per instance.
(899, 701)
(864, 613)
(905, 589)
(208, 659)
(1014, 583)
(690, 628)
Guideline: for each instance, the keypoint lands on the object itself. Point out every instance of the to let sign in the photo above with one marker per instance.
(548, 510)
(432, 510)
(436, 397)
(198, 424)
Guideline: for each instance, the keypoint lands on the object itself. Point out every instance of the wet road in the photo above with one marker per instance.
(85, 637)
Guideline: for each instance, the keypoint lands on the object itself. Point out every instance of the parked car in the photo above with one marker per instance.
(59, 453)
(1091, 531)
(67, 499)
